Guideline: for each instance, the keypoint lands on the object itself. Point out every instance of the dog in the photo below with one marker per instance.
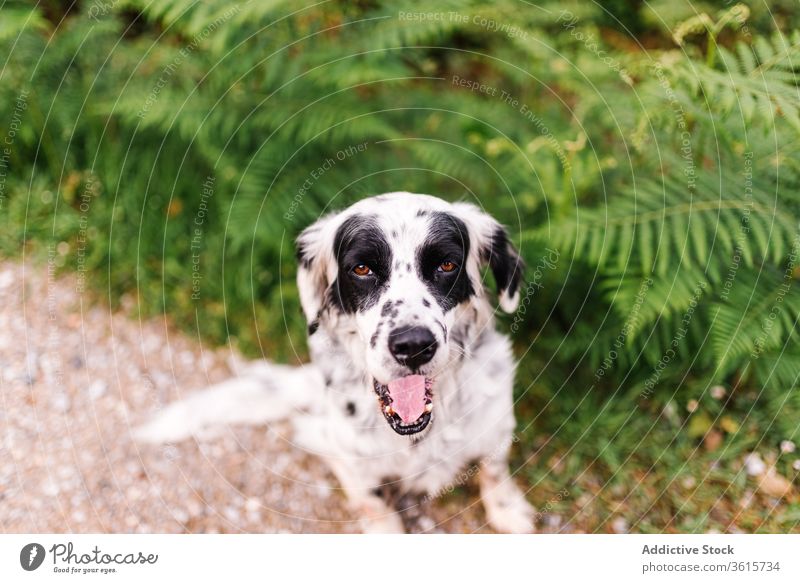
(409, 380)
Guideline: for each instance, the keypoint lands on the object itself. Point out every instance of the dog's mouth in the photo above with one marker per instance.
(406, 403)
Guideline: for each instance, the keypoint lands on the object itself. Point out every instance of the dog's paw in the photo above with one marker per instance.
(388, 524)
(508, 511)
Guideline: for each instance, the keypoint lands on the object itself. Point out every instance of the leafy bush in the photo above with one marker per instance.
(173, 149)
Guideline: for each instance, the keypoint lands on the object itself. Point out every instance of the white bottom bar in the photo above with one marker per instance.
(432, 558)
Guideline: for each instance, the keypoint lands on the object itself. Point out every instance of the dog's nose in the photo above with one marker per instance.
(412, 346)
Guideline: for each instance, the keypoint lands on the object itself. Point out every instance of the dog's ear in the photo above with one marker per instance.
(493, 247)
(314, 248)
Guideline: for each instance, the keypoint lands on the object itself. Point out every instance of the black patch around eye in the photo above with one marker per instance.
(359, 240)
(448, 240)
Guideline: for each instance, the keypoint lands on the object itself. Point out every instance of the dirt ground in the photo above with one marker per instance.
(75, 379)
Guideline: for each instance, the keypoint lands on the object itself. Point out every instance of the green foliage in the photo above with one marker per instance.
(667, 179)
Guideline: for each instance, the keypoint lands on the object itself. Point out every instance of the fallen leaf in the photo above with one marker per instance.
(699, 424)
(729, 425)
(712, 440)
(174, 207)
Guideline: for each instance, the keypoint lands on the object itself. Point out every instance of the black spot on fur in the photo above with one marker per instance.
(458, 336)
(422, 213)
(389, 309)
(350, 408)
(426, 303)
(448, 240)
(359, 240)
(373, 341)
(388, 490)
(313, 327)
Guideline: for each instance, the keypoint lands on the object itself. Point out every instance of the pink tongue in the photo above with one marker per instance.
(408, 397)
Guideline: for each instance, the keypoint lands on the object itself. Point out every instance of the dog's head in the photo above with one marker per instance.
(401, 276)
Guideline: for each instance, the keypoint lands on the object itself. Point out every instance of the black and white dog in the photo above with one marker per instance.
(409, 380)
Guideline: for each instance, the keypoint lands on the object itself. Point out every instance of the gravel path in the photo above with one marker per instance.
(76, 378)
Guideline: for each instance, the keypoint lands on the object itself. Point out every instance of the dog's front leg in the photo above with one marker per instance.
(506, 506)
(375, 515)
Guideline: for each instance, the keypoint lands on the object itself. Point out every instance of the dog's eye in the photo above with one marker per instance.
(362, 270)
(447, 266)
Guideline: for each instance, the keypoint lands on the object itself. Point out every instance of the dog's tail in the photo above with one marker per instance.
(261, 393)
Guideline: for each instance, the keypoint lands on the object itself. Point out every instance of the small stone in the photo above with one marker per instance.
(61, 402)
(747, 499)
(775, 485)
(670, 411)
(6, 278)
(552, 521)
(619, 525)
(50, 489)
(232, 514)
(97, 389)
(718, 392)
(754, 465)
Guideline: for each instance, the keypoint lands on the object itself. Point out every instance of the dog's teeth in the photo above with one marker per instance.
(429, 407)
(388, 409)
